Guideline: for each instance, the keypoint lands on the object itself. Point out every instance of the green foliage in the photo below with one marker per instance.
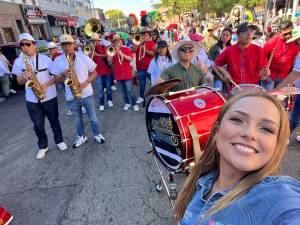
(115, 15)
(217, 7)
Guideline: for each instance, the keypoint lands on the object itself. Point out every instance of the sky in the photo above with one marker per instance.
(127, 6)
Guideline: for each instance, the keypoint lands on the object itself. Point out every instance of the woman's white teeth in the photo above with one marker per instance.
(244, 148)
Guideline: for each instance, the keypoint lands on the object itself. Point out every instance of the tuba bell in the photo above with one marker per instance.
(136, 39)
(111, 51)
(92, 26)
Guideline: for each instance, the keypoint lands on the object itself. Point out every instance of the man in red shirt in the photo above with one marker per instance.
(104, 71)
(144, 54)
(283, 55)
(246, 63)
(122, 69)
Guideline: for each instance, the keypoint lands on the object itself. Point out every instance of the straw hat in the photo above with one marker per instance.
(176, 47)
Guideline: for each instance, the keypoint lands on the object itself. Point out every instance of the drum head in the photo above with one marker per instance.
(163, 87)
(245, 87)
(164, 134)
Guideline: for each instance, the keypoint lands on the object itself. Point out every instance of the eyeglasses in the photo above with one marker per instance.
(25, 44)
(287, 34)
(186, 49)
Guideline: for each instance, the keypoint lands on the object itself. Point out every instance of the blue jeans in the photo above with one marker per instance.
(101, 81)
(38, 112)
(127, 90)
(295, 114)
(270, 84)
(89, 104)
(142, 77)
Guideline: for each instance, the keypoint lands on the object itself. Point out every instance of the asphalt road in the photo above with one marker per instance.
(109, 184)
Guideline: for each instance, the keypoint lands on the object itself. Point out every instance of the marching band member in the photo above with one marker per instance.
(246, 62)
(84, 68)
(144, 54)
(39, 108)
(53, 51)
(160, 62)
(190, 74)
(104, 71)
(123, 74)
(282, 55)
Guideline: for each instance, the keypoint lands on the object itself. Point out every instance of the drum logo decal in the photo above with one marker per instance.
(163, 125)
(200, 103)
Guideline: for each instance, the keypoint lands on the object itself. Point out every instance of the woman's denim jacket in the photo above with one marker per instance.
(275, 200)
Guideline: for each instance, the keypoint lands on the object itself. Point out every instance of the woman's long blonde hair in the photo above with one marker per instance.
(211, 158)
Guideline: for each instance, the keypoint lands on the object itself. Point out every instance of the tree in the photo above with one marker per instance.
(116, 16)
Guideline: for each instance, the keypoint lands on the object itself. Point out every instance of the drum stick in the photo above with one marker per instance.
(235, 84)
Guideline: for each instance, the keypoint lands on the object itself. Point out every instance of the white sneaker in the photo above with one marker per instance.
(136, 108)
(104, 90)
(115, 82)
(139, 100)
(41, 154)
(83, 110)
(13, 91)
(79, 141)
(99, 139)
(113, 88)
(126, 107)
(62, 146)
(69, 113)
(110, 103)
(101, 108)
(298, 138)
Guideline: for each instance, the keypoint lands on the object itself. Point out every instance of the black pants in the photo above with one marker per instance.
(38, 112)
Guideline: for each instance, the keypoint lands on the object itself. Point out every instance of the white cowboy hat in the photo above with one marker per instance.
(176, 47)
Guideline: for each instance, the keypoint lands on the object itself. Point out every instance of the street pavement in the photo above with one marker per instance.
(109, 184)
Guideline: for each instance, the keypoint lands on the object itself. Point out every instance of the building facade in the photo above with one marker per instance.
(61, 15)
(12, 22)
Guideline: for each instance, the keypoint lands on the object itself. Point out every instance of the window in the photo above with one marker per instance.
(9, 34)
(33, 2)
(20, 26)
(1, 39)
(24, 1)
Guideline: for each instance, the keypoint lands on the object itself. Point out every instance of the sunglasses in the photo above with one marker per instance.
(25, 44)
(65, 44)
(186, 49)
(287, 34)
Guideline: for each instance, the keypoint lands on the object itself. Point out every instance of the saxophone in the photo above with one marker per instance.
(72, 82)
(33, 82)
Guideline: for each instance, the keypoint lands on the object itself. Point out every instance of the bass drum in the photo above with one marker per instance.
(168, 119)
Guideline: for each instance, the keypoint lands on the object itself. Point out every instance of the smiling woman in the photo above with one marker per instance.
(235, 181)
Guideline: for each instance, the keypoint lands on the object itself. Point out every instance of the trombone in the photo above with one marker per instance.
(111, 50)
(137, 40)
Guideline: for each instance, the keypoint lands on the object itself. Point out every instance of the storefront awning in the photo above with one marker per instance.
(37, 21)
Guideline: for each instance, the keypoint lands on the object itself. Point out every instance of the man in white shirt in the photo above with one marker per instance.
(85, 70)
(4, 74)
(46, 107)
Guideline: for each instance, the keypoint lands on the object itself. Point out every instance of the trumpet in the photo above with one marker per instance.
(111, 50)
(89, 50)
(137, 39)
